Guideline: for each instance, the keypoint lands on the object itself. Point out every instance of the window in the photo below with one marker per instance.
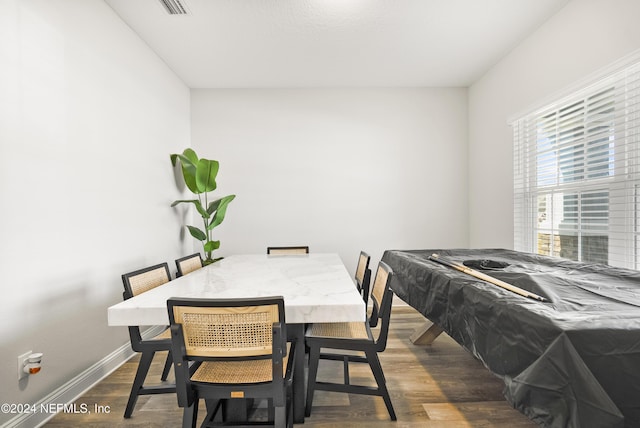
(577, 174)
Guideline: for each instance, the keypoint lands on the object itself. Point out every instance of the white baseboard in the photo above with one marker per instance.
(76, 387)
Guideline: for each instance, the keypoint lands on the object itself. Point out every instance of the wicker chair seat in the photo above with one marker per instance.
(237, 372)
(242, 371)
(338, 330)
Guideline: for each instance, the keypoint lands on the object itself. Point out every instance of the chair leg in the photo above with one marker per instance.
(270, 409)
(167, 366)
(376, 368)
(190, 415)
(314, 360)
(138, 382)
(289, 409)
(345, 368)
(280, 416)
(214, 412)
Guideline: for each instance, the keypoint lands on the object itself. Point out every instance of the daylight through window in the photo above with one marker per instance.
(577, 174)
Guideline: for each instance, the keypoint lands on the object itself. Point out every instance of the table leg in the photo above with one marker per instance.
(296, 332)
(426, 334)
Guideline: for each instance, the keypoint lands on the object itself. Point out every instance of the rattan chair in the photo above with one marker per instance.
(188, 264)
(363, 276)
(287, 251)
(231, 348)
(135, 283)
(353, 336)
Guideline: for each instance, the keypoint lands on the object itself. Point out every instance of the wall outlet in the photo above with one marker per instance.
(22, 360)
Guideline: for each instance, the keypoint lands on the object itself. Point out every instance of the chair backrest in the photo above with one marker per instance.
(139, 281)
(228, 327)
(363, 275)
(382, 296)
(188, 264)
(283, 251)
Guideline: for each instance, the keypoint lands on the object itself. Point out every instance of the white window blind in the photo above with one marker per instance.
(577, 174)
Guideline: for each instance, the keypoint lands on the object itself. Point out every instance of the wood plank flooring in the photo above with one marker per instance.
(438, 386)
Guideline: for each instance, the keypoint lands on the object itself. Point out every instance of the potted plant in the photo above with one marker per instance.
(200, 177)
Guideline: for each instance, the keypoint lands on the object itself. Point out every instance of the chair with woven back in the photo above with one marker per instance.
(188, 264)
(226, 349)
(339, 340)
(363, 276)
(288, 251)
(136, 283)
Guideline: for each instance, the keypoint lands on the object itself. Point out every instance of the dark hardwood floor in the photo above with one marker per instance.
(439, 385)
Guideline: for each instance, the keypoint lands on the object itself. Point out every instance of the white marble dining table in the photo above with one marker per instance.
(316, 288)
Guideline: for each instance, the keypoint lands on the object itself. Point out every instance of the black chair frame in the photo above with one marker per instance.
(147, 349)
(218, 395)
(370, 346)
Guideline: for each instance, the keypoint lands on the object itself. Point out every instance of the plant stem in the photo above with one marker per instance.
(206, 207)
(204, 220)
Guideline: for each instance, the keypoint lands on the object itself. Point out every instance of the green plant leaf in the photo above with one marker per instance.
(206, 172)
(188, 162)
(191, 155)
(201, 210)
(195, 202)
(197, 233)
(213, 206)
(211, 245)
(221, 210)
(183, 201)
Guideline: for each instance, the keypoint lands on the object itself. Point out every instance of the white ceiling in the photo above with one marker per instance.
(337, 43)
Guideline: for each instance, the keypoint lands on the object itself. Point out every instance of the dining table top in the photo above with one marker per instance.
(316, 287)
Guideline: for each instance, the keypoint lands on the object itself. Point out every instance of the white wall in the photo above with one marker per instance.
(88, 118)
(582, 38)
(338, 169)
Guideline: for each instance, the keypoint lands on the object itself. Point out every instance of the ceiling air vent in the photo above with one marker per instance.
(175, 7)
